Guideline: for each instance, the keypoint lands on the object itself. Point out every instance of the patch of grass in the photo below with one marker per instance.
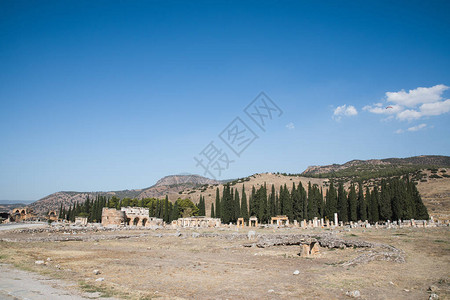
(441, 241)
(92, 288)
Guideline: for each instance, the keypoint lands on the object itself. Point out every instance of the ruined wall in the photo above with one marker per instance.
(52, 215)
(137, 216)
(112, 216)
(22, 214)
(201, 222)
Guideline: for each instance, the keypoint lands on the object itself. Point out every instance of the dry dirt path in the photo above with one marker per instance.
(18, 284)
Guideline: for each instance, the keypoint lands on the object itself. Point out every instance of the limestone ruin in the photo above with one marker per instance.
(20, 214)
(197, 222)
(131, 216)
(280, 220)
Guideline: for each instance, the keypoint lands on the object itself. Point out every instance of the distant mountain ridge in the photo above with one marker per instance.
(166, 185)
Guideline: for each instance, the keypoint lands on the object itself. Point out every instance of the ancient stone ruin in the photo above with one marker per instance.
(200, 222)
(131, 216)
(52, 215)
(22, 214)
(309, 247)
(280, 220)
(253, 222)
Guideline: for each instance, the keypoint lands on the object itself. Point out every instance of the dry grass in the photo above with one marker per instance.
(215, 268)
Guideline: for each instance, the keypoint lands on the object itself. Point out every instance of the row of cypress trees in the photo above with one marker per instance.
(159, 208)
(92, 209)
(396, 198)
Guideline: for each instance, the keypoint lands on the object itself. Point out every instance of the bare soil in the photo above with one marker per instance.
(161, 264)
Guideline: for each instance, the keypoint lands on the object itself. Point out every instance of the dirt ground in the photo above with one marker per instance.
(146, 264)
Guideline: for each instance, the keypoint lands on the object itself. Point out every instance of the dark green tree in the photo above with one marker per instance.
(218, 209)
(385, 201)
(166, 210)
(342, 203)
(361, 204)
(352, 206)
(237, 205)
(374, 205)
(331, 202)
(244, 209)
(212, 210)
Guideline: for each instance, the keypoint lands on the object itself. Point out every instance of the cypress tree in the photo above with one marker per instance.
(226, 204)
(342, 203)
(237, 205)
(385, 201)
(262, 205)
(244, 209)
(170, 212)
(212, 210)
(217, 203)
(295, 200)
(166, 210)
(60, 216)
(232, 205)
(361, 206)
(252, 202)
(277, 205)
(313, 201)
(421, 212)
(271, 207)
(321, 204)
(352, 207)
(374, 205)
(331, 202)
(175, 211)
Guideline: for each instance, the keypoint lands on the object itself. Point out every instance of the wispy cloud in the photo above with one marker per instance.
(344, 111)
(414, 104)
(290, 126)
(418, 127)
(412, 129)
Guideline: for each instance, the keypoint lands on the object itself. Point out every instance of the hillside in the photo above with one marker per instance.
(433, 183)
(374, 168)
(433, 186)
(166, 185)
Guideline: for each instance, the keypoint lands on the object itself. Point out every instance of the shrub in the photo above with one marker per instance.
(435, 176)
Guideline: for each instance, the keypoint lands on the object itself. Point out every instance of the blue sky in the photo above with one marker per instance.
(109, 95)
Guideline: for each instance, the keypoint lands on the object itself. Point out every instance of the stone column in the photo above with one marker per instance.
(336, 219)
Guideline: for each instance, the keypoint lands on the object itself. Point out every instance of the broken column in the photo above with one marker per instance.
(335, 219)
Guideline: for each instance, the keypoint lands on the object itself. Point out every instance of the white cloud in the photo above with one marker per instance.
(414, 104)
(417, 128)
(409, 115)
(344, 110)
(399, 131)
(417, 96)
(435, 109)
(290, 126)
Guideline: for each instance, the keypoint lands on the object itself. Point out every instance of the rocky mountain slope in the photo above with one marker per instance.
(167, 185)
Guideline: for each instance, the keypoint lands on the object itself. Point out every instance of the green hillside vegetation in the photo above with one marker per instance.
(367, 172)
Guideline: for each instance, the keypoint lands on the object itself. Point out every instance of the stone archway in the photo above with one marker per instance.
(136, 221)
(144, 221)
